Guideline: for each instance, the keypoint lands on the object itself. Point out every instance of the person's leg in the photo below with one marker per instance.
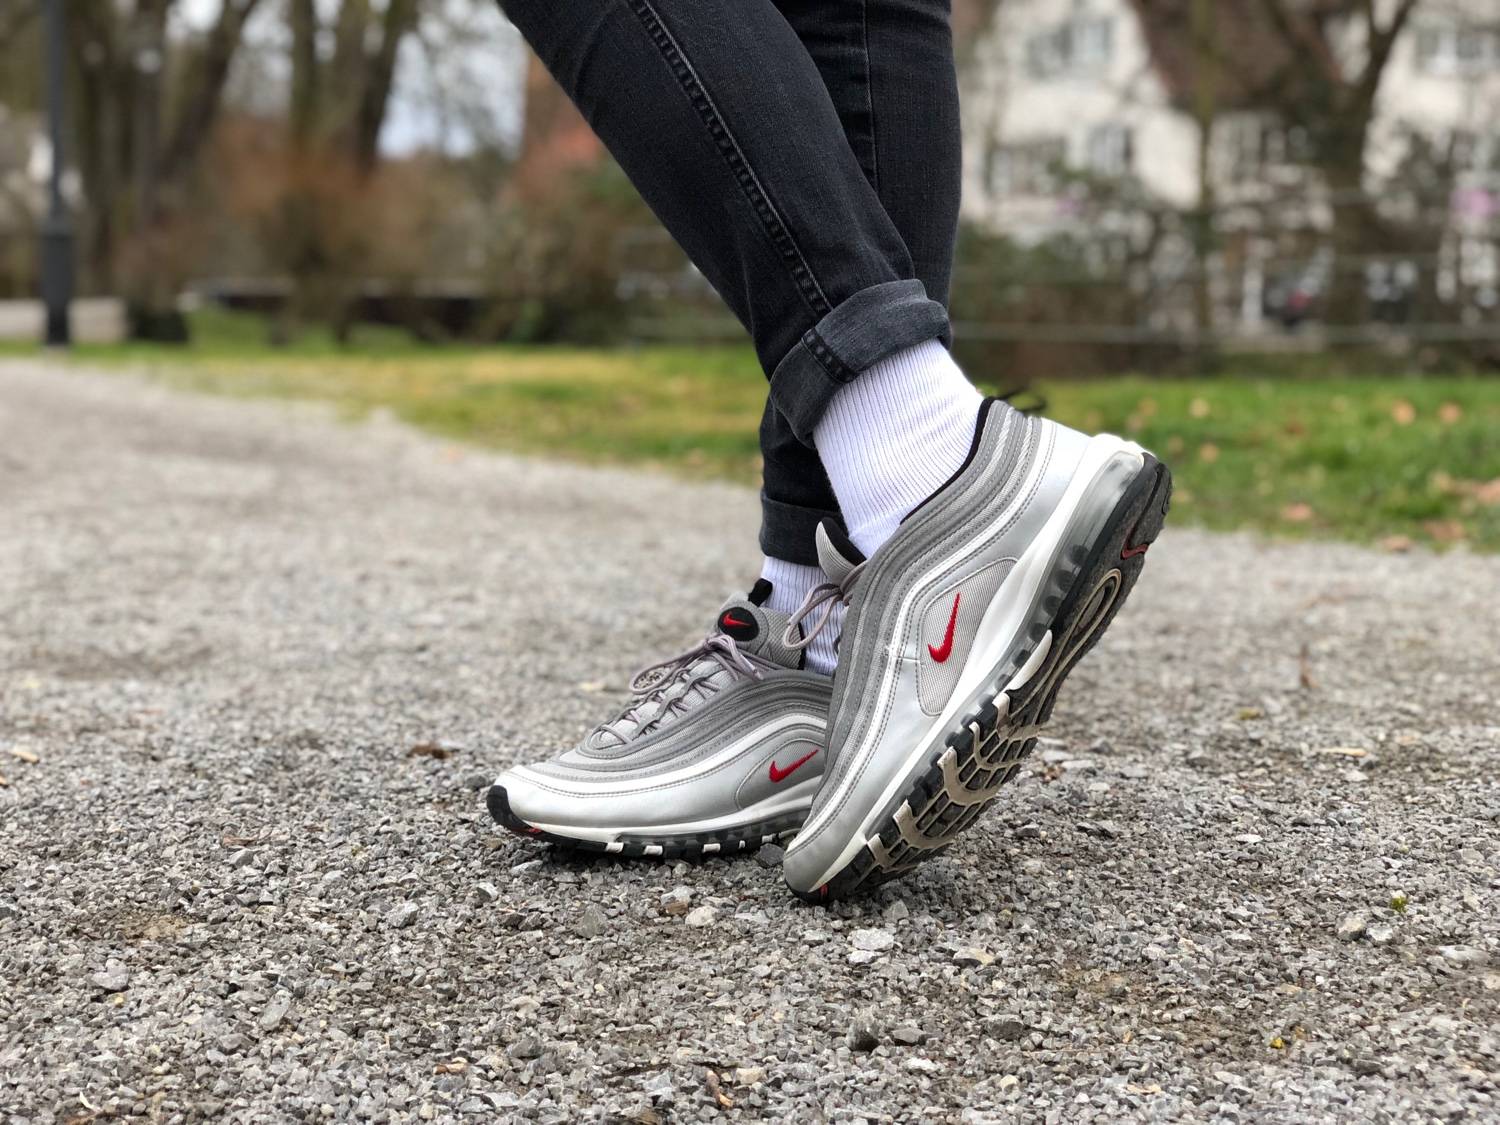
(717, 114)
(888, 67)
(724, 123)
(1022, 536)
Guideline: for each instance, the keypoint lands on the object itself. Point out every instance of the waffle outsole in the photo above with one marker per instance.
(727, 842)
(985, 750)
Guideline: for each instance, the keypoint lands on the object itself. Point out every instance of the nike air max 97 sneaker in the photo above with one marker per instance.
(959, 631)
(720, 749)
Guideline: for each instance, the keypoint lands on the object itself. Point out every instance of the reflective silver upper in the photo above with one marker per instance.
(731, 729)
(899, 666)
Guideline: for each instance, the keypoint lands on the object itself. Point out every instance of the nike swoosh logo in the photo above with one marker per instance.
(733, 621)
(944, 650)
(779, 775)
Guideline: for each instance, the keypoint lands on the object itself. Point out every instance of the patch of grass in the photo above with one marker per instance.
(1382, 458)
(1368, 459)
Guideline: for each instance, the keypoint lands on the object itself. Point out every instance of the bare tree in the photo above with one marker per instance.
(145, 105)
(1331, 94)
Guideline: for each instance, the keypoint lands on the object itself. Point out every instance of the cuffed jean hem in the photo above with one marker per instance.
(864, 329)
(787, 530)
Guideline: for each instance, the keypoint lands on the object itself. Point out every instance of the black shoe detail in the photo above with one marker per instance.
(987, 748)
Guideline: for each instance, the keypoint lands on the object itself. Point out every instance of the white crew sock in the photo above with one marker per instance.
(790, 584)
(894, 436)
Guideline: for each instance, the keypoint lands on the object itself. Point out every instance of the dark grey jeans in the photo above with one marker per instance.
(805, 154)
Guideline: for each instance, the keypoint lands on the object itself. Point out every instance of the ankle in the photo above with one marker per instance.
(894, 436)
(790, 584)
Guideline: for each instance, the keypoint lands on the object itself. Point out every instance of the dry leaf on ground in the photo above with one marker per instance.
(442, 751)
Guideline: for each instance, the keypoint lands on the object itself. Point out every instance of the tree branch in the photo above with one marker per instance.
(400, 18)
(1300, 38)
(1381, 42)
(205, 90)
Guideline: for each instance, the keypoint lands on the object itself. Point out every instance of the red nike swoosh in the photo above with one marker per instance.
(727, 620)
(781, 775)
(943, 651)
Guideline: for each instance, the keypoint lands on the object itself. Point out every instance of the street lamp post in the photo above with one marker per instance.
(57, 229)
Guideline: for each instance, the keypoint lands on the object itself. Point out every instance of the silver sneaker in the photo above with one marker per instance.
(720, 749)
(960, 630)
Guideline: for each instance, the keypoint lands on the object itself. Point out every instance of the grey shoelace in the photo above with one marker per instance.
(686, 671)
(826, 595)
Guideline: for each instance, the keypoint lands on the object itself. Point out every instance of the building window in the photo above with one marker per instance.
(1111, 150)
(1255, 142)
(1075, 46)
(1027, 167)
(1448, 49)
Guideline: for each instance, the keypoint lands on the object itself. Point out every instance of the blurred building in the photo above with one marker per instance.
(1111, 87)
(1123, 91)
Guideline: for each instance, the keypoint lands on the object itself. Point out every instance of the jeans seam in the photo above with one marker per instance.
(864, 20)
(813, 341)
(729, 148)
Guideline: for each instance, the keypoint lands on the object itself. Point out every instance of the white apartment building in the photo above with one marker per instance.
(1082, 84)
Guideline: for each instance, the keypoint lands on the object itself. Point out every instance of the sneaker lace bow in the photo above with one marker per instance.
(821, 599)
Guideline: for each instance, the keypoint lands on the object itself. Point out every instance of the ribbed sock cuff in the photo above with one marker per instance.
(894, 436)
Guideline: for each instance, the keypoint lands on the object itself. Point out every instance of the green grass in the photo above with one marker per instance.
(1389, 459)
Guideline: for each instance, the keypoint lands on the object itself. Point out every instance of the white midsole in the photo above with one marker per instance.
(1005, 616)
(795, 799)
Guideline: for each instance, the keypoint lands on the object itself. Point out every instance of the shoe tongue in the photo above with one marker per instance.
(756, 629)
(836, 554)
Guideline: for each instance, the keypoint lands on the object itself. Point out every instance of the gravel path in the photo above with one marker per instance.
(229, 889)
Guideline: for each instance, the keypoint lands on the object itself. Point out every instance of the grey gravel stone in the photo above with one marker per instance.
(863, 1036)
(701, 916)
(592, 923)
(897, 911)
(1006, 1028)
(402, 916)
(224, 623)
(114, 977)
(908, 1035)
(770, 855)
(528, 1047)
(872, 940)
(1352, 927)
(274, 1012)
(1464, 955)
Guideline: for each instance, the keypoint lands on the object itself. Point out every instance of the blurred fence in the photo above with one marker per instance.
(1253, 293)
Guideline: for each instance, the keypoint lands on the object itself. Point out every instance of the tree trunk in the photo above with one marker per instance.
(304, 110)
(1205, 113)
(1354, 230)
